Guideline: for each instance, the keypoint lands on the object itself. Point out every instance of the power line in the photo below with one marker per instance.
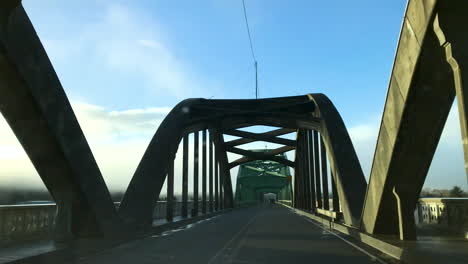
(248, 31)
(251, 49)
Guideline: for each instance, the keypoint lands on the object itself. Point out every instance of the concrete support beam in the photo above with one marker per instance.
(269, 134)
(318, 185)
(196, 150)
(304, 160)
(204, 172)
(310, 162)
(37, 109)
(335, 200)
(185, 153)
(250, 156)
(216, 177)
(210, 168)
(225, 174)
(323, 159)
(260, 137)
(420, 95)
(170, 192)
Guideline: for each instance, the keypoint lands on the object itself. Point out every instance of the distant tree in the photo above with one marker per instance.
(456, 191)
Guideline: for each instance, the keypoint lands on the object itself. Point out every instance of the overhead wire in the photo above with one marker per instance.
(251, 49)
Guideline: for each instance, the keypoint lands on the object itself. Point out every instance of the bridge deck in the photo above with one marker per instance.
(266, 234)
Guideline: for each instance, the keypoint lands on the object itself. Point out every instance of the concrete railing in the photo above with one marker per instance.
(22, 222)
(28, 222)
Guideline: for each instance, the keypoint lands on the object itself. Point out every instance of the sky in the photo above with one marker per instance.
(125, 64)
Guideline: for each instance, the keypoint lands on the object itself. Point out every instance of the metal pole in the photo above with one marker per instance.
(323, 157)
(204, 172)
(195, 174)
(185, 176)
(170, 192)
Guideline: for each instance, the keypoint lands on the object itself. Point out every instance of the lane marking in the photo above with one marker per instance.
(232, 239)
(373, 257)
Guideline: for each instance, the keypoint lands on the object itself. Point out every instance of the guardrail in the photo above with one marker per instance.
(29, 222)
(23, 222)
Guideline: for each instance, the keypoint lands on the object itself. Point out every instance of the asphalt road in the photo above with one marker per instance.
(266, 234)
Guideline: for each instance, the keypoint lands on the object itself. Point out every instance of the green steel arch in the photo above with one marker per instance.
(257, 177)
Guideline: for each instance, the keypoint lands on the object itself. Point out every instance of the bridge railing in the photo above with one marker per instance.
(23, 222)
(29, 222)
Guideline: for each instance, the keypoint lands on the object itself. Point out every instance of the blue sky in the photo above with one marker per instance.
(124, 64)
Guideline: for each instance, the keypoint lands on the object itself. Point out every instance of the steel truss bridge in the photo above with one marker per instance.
(428, 73)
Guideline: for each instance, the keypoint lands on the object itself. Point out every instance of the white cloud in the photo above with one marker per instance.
(118, 140)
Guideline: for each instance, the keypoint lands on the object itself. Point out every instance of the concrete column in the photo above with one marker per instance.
(195, 174)
(216, 177)
(336, 200)
(305, 161)
(170, 192)
(210, 166)
(221, 184)
(204, 172)
(185, 176)
(323, 158)
(318, 187)
(310, 161)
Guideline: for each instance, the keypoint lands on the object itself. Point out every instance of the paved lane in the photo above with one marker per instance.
(267, 234)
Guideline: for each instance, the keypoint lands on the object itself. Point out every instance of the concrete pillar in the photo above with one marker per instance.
(210, 166)
(196, 149)
(335, 199)
(323, 158)
(310, 161)
(305, 161)
(170, 192)
(216, 177)
(204, 172)
(318, 187)
(185, 143)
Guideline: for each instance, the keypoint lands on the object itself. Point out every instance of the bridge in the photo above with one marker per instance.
(364, 222)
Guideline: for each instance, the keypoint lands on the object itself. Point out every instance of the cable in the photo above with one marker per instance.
(251, 49)
(248, 32)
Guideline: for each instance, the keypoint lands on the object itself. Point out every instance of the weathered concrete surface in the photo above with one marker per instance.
(272, 234)
(420, 94)
(36, 107)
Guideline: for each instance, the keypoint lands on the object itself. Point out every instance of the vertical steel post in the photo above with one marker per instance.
(310, 160)
(216, 175)
(170, 192)
(196, 149)
(323, 157)
(336, 201)
(318, 186)
(204, 172)
(210, 166)
(185, 176)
